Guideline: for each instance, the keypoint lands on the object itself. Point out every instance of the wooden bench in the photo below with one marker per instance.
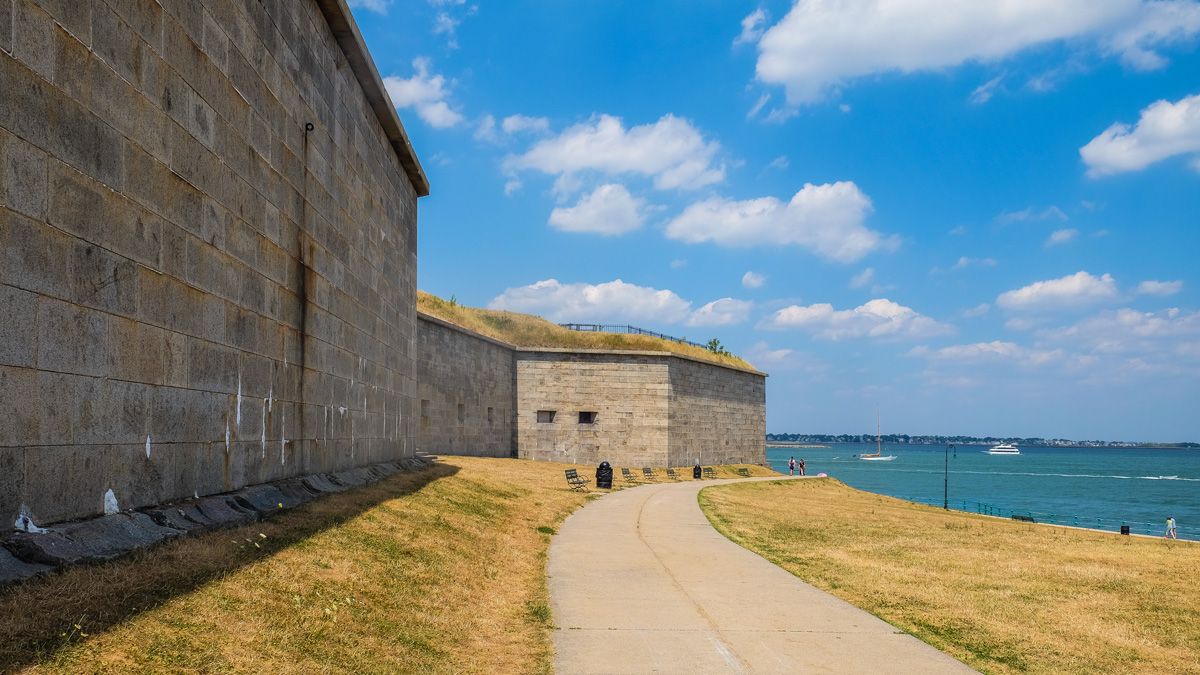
(708, 472)
(672, 474)
(576, 481)
(649, 474)
(744, 472)
(628, 476)
(1024, 519)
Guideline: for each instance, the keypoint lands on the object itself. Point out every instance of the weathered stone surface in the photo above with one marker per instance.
(321, 483)
(173, 517)
(14, 569)
(265, 500)
(89, 541)
(110, 536)
(218, 513)
(297, 492)
(181, 259)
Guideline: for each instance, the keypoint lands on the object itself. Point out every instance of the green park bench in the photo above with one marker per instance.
(708, 472)
(628, 476)
(649, 474)
(576, 481)
(672, 474)
(744, 472)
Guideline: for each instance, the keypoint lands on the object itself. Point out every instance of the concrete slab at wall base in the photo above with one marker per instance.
(27, 554)
(14, 569)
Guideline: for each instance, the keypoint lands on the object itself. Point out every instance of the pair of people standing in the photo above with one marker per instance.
(792, 466)
(1171, 533)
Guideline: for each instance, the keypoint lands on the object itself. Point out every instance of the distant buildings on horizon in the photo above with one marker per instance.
(905, 439)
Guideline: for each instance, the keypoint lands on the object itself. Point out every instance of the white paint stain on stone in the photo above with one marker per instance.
(239, 403)
(282, 439)
(264, 429)
(196, 494)
(227, 438)
(271, 400)
(342, 410)
(147, 447)
(25, 521)
(110, 503)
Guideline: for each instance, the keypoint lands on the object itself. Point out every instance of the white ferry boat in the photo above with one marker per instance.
(1003, 449)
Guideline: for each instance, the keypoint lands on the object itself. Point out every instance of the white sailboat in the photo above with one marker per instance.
(878, 456)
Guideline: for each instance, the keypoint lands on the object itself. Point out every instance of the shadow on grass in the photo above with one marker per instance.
(39, 617)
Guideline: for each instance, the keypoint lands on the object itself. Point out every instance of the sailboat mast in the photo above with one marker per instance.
(878, 437)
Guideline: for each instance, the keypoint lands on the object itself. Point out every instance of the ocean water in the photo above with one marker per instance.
(1099, 488)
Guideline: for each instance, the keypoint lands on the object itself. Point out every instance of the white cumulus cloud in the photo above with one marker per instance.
(753, 280)
(1159, 288)
(827, 219)
(611, 301)
(671, 151)
(424, 92)
(753, 27)
(984, 352)
(723, 312)
(821, 45)
(379, 6)
(879, 318)
(1164, 130)
(609, 209)
(1155, 336)
(1077, 289)
(862, 278)
(1062, 237)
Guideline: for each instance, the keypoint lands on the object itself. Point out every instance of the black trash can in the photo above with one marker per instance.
(604, 476)
(1124, 529)
(696, 471)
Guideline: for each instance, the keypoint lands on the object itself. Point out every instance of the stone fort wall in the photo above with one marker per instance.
(207, 251)
(465, 387)
(483, 397)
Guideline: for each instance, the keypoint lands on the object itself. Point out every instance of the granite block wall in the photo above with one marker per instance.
(718, 415)
(466, 390)
(207, 251)
(639, 409)
(628, 392)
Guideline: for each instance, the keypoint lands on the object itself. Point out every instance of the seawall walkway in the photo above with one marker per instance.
(641, 583)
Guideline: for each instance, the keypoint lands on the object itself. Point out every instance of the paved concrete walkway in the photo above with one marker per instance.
(641, 583)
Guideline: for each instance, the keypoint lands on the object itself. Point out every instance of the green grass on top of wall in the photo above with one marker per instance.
(524, 330)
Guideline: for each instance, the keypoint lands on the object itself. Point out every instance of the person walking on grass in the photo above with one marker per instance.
(801, 466)
(1171, 533)
(792, 466)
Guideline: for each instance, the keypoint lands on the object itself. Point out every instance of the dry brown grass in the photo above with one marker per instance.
(1001, 596)
(523, 330)
(441, 571)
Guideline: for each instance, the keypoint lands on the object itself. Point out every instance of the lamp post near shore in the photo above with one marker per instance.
(946, 493)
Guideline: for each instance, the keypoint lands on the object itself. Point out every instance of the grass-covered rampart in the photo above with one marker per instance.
(1001, 596)
(524, 330)
(438, 571)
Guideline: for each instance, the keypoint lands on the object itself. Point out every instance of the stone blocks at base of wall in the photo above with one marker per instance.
(34, 550)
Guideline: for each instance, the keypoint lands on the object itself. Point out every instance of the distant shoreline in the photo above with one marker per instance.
(1080, 445)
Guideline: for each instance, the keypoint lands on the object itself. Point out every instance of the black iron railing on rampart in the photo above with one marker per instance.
(629, 330)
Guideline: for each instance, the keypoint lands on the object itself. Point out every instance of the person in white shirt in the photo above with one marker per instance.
(1171, 533)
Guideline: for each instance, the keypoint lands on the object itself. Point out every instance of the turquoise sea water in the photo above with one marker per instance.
(1100, 488)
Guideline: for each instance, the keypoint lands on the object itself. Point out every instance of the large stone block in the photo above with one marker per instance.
(33, 35)
(72, 339)
(6, 25)
(24, 177)
(67, 482)
(18, 329)
(19, 425)
(12, 482)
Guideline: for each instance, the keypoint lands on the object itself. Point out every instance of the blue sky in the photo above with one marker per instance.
(980, 216)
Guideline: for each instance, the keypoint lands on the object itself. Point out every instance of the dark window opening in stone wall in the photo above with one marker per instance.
(545, 416)
(490, 416)
(462, 412)
(587, 417)
(424, 407)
